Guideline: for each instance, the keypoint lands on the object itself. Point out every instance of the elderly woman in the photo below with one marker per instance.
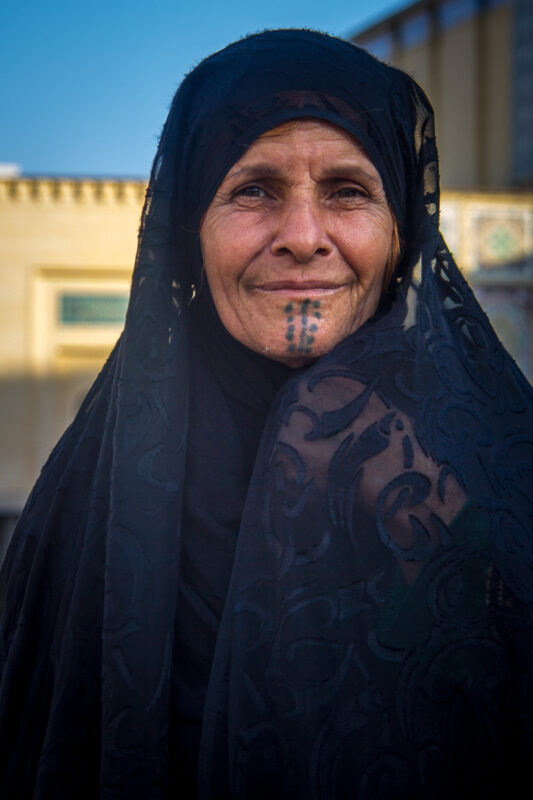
(283, 550)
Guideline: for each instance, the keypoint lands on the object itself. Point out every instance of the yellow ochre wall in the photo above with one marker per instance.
(57, 236)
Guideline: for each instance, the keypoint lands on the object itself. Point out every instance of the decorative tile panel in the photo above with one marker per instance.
(500, 239)
(499, 235)
(92, 309)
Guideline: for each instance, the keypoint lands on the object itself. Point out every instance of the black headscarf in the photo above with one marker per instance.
(353, 539)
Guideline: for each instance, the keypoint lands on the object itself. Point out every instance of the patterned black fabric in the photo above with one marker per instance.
(371, 513)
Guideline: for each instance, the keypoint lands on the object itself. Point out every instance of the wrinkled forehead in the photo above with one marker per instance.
(259, 83)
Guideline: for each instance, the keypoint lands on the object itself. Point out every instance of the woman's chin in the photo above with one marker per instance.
(292, 360)
(293, 352)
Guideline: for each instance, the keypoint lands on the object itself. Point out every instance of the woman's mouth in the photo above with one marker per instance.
(292, 287)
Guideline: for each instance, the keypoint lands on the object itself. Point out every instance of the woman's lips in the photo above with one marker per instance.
(299, 287)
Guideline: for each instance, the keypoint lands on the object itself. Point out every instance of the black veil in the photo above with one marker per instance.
(375, 638)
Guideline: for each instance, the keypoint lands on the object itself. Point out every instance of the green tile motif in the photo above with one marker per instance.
(501, 243)
(92, 309)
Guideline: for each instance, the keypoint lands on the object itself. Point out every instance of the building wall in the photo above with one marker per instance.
(66, 252)
(523, 92)
(491, 237)
(496, 98)
(461, 53)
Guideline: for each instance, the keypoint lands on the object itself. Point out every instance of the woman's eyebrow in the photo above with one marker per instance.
(343, 170)
(351, 171)
(256, 170)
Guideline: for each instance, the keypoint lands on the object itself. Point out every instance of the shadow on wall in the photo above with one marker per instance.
(506, 295)
(7, 526)
(34, 412)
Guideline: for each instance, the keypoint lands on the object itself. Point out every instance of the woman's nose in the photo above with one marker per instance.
(301, 231)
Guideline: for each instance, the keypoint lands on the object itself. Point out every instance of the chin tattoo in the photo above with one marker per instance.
(302, 324)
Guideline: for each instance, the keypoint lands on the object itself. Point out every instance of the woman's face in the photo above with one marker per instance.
(296, 240)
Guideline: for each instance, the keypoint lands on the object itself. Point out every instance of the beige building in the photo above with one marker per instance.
(474, 59)
(66, 252)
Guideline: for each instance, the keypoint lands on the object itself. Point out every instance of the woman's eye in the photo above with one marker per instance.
(251, 191)
(349, 192)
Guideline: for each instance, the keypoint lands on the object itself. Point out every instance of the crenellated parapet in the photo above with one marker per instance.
(66, 191)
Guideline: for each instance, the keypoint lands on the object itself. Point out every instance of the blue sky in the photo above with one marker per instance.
(85, 86)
